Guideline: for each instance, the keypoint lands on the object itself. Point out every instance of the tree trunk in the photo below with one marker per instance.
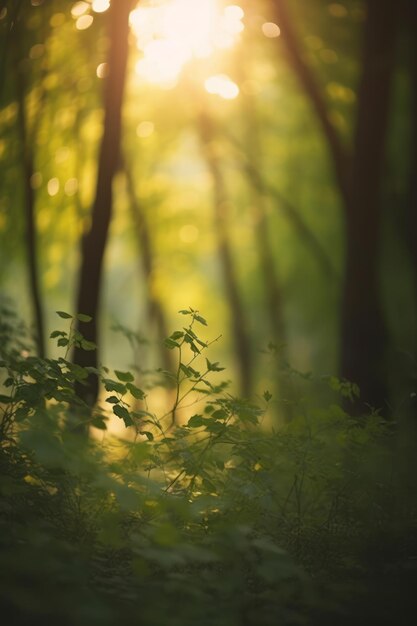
(29, 209)
(411, 211)
(220, 203)
(156, 313)
(363, 334)
(272, 286)
(94, 241)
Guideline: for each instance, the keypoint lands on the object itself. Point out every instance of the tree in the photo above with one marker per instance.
(155, 309)
(238, 324)
(358, 176)
(26, 143)
(94, 241)
(16, 42)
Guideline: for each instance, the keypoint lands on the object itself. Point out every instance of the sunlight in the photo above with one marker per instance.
(173, 32)
(99, 6)
(222, 86)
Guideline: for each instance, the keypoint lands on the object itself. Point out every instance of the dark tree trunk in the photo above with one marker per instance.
(363, 335)
(220, 204)
(29, 210)
(94, 241)
(411, 211)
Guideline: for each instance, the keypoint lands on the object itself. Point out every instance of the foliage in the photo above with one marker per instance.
(214, 520)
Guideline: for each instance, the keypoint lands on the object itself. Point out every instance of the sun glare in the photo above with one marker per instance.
(173, 32)
(222, 86)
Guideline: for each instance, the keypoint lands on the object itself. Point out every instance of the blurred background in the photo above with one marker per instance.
(254, 161)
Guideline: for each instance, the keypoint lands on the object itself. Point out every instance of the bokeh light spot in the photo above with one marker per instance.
(102, 70)
(79, 8)
(271, 30)
(100, 6)
(52, 186)
(221, 85)
(84, 22)
(71, 187)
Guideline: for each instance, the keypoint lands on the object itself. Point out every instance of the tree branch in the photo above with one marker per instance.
(308, 82)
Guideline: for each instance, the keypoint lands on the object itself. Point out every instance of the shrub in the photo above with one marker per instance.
(212, 520)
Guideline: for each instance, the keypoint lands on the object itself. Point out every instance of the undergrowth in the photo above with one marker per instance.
(215, 520)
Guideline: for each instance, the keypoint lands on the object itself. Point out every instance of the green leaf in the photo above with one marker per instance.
(186, 370)
(207, 383)
(171, 344)
(63, 341)
(185, 312)
(219, 414)
(135, 391)
(267, 396)
(57, 333)
(112, 400)
(31, 393)
(65, 316)
(123, 413)
(125, 377)
(200, 319)
(98, 422)
(113, 385)
(212, 426)
(5, 399)
(178, 334)
(214, 367)
(82, 317)
(195, 421)
(79, 373)
(147, 434)
(200, 390)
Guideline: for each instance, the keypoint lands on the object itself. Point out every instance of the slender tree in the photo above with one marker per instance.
(26, 143)
(155, 309)
(220, 204)
(411, 209)
(267, 262)
(94, 241)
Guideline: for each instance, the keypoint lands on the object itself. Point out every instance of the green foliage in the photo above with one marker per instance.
(212, 520)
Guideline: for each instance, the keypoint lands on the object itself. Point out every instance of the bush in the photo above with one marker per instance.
(212, 521)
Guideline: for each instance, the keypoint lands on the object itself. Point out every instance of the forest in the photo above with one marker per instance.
(208, 312)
